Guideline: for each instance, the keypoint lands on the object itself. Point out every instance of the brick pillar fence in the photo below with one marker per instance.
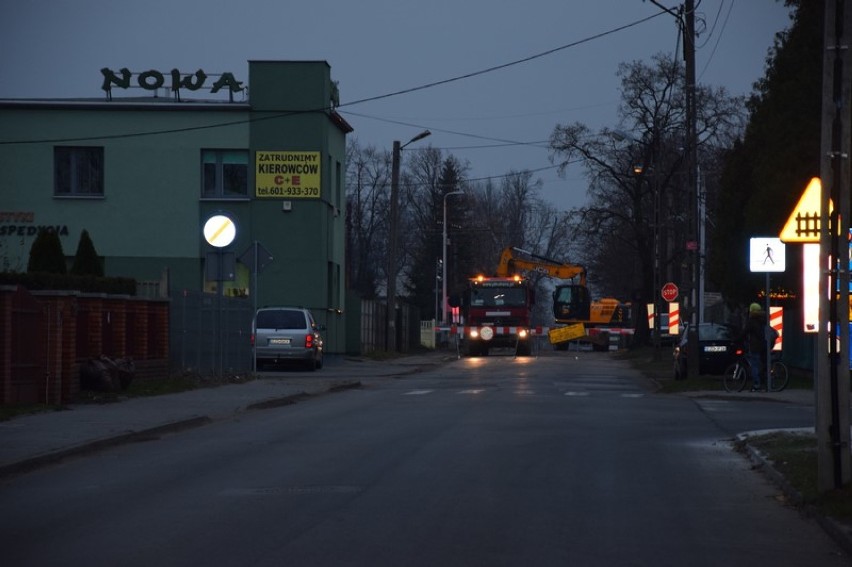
(45, 336)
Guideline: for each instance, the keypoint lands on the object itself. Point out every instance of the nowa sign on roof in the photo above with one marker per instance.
(803, 224)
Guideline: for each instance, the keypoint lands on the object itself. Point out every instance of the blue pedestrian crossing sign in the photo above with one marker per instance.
(766, 254)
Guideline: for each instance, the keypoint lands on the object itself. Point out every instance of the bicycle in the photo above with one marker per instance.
(738, 374)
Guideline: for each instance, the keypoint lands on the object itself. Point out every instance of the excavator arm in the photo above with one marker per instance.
(511, 263)
(571, 302)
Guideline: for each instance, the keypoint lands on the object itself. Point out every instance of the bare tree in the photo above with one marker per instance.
(638, 210)
(368, 175)
(513, 215)
(481, 222)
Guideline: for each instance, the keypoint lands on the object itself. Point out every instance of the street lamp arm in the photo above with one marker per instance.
(420, 136)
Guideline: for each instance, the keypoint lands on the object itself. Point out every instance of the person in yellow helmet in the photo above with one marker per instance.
(753, 335)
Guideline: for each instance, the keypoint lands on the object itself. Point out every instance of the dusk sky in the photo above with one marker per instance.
(496, 121)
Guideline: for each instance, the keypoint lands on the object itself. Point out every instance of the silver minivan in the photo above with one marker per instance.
(286, 334)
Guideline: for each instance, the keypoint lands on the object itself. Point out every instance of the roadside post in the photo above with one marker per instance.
(220, 232)
(669, 292)
(256, 258)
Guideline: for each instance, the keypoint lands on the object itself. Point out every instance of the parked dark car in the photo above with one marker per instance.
(287, 334)
(717, 349)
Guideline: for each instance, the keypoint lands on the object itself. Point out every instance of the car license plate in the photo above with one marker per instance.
(279, 341)
(715, 348)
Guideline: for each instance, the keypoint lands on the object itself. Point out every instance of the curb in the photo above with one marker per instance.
(152, 433)
(33, 463)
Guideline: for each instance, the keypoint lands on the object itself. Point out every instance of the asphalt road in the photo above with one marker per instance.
(487, 461)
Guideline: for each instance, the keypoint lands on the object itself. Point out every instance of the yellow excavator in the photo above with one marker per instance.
(572, 303)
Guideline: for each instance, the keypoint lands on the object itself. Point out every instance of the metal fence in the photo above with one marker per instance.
(210, 334)
(374, 326)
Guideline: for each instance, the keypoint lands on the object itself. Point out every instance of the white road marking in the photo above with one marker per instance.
(418, 392)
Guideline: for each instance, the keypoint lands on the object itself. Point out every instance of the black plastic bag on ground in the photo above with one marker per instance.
(105, 374)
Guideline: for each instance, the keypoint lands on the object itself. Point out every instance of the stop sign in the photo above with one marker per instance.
(669, 291)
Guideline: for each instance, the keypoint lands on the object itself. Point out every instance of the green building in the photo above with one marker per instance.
(143, 169)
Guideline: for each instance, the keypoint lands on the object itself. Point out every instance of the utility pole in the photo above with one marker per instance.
(686, 21)
(393, 237)
(692, 162)
(832, 371)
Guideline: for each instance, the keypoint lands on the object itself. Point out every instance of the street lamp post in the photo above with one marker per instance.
(444, 252)
(656, 277)
(439, 263)
(393, 237)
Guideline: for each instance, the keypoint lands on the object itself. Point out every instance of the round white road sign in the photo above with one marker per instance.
(219, 231)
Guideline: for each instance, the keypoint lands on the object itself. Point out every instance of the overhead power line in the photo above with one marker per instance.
(501, 141)
(288, 113)
(506, 65)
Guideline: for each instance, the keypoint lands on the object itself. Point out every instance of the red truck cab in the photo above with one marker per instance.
(496, 313)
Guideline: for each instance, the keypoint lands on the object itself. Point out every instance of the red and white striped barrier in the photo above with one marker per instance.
(497, 330)
(674, 318)
(501, 330)
(592, 331)
(776, 321)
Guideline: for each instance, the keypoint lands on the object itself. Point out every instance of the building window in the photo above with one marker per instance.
(78, 171)
(224, 174)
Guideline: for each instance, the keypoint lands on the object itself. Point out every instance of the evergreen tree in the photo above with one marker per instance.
(86, 260)
(433, 176)
(46, 254)
(766, 172)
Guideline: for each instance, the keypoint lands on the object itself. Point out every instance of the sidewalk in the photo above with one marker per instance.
(31, 441)
(790, 396)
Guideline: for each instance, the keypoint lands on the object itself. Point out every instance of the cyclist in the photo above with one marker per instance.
(753, 335)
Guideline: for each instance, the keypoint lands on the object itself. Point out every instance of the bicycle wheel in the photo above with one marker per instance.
(779, 377)
(735, 377)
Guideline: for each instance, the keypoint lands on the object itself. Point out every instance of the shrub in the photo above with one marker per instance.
(86, 260)
(46, 255)
(69, 282)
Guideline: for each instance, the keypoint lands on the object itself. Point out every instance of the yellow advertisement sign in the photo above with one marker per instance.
(287, 175)
(566, 333)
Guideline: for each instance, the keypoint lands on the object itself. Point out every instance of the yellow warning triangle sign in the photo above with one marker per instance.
(803, 224)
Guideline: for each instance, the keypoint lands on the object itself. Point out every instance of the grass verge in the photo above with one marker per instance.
(794, 456)
(659, 366)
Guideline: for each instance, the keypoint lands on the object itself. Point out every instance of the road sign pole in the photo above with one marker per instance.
(766, 339)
